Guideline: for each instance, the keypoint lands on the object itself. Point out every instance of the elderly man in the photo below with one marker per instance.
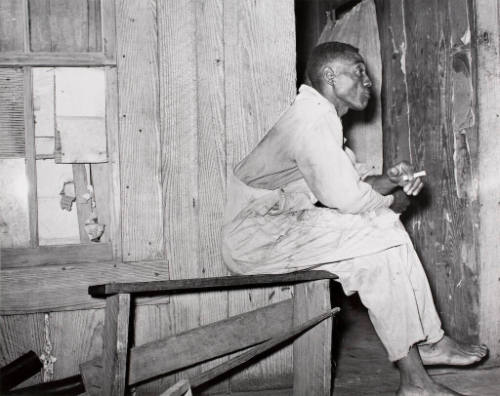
(300, 200)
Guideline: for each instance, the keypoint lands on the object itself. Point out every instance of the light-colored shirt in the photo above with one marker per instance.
(271, 224)
(307, 143)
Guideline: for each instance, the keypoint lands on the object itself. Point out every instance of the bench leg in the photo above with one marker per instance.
(312, 365)
(115, 344)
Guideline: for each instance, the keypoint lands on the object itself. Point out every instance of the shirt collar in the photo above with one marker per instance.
(310, 92)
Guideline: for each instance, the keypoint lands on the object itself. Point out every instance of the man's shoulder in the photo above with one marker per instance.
(302, 114)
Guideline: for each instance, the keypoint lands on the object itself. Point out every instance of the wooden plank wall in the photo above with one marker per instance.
(198, 83)
(488, 94)
(259, 40)
(431, 118)
(221, 84)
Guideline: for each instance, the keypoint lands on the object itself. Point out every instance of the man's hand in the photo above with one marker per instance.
(401, 201)
(402, 174)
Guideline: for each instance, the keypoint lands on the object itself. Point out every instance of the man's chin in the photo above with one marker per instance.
(360, 106)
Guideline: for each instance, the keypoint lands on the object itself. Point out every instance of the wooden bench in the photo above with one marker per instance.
(121, 365)
(304, 319)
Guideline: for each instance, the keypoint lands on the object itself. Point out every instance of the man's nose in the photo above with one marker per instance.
(367, 82)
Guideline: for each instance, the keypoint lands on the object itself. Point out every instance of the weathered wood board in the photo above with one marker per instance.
(197, 84)
(115, 340)
(210, 56)
(179, 153)
(140, 158)
(430, 119)
(76, 337)
(65, 287)
(12, 26)
(394, 93)
(20, 334)
(259, 85)
(57, 25)
(488, 98)
(312, 359)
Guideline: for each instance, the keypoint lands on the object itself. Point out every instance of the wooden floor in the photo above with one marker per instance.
(363, 369)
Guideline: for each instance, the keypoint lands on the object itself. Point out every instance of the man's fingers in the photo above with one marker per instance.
(418, 189)
(413, 187)
(409, 187)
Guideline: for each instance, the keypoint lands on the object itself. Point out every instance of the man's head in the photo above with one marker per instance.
(338, 72)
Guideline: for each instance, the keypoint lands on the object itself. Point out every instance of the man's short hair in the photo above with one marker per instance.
(324, 54)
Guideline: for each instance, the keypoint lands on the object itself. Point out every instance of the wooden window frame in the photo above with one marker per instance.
(106, 57)
(36, 255)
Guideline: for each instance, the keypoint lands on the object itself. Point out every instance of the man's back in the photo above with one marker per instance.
(272, 163)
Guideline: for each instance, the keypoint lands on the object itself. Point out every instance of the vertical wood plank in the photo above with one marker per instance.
(26, 26)
(443, 139)
(29, 123)
(138, 138)
(11, 26)
(487, 40)
(40, 39)
(69, 25)
(94, 19)
(76, 338)
(102, 184)
(141, 194)
(83, 208)
(179, 145)
(113, 165)
(259, 85)
(312, 356)
(179, 140)
(115, 344)
(260, 73)
(211, 160)
(19, 335)
(108, 28)
(394, 94)
(58, 25)
(151, 323)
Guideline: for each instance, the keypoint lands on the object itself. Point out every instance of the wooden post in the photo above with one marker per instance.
(487, 45)
(115, 344)
(312, 366)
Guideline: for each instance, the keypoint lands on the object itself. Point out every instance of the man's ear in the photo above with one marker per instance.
(329, 75)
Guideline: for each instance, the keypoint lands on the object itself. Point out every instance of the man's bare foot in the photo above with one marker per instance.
(450, 352)
(414, 380)
(434, 390)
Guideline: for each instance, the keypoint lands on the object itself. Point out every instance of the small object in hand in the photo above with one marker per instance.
(420, 174)
(415, 175)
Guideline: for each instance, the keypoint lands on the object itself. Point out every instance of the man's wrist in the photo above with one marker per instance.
(388, 200)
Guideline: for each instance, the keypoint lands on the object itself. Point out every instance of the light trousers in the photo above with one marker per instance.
(393, 286)
(370, 252)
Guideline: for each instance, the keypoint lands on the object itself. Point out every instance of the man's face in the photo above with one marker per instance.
(352, 84)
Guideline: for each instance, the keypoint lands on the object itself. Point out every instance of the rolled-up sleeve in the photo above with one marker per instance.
(330, 173)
